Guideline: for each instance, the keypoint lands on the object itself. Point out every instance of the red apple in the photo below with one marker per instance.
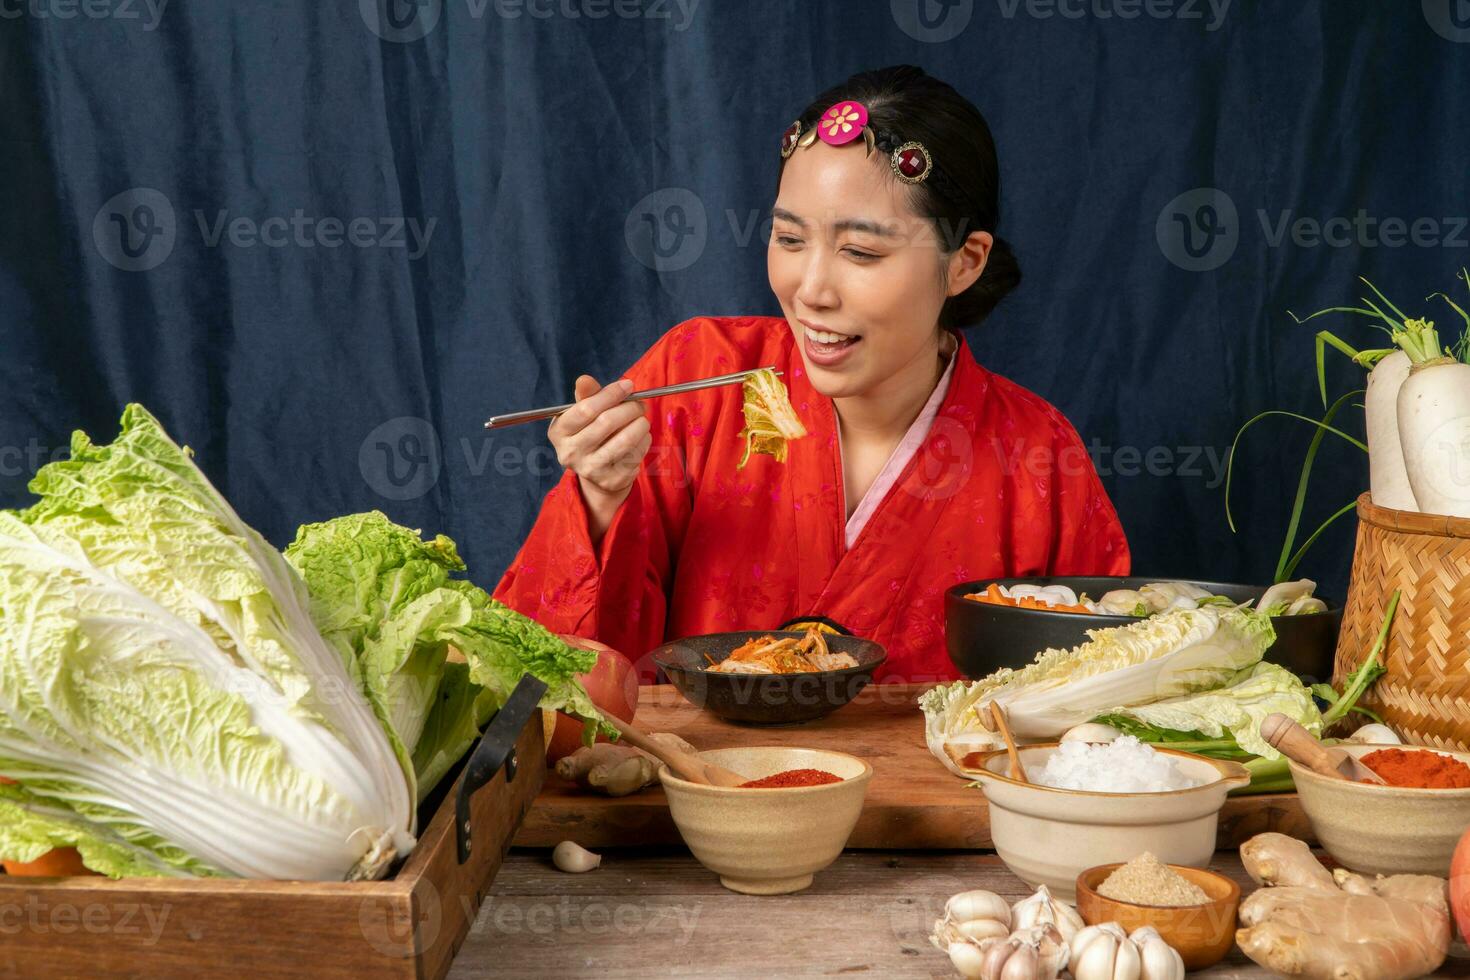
(1460, 884)
(613, 686)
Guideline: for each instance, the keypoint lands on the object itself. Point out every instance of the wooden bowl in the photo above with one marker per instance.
(1202, 934)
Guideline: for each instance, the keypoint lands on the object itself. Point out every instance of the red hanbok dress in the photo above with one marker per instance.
(1000, 486)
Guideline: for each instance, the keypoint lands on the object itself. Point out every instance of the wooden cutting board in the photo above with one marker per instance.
(913, 802)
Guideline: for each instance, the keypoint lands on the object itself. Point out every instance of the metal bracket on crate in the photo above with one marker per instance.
(495, 750)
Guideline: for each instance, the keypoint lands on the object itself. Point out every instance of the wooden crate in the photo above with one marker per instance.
(408, 926)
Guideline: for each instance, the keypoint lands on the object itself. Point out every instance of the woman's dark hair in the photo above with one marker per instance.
(904, 101)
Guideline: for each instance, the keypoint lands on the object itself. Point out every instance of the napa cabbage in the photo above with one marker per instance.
(1172, 654)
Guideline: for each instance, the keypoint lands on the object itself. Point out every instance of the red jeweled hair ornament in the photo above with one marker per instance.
(910, 160)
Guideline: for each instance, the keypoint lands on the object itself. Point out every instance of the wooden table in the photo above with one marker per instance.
(913, 802)
(654, 911)
(658, 913)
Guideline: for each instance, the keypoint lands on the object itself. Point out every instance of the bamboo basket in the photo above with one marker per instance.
(1425, 696)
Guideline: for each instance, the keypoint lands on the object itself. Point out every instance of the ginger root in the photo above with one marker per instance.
(615, 769)
(1276, 859)
(1307, 922)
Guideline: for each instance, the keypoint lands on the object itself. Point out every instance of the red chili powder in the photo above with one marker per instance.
(797, 777)
(1418, 770)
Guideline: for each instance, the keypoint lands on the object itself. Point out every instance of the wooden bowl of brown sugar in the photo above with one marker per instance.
(1202, 933)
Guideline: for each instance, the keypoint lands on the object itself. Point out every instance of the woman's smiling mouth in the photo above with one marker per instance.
(826, 347)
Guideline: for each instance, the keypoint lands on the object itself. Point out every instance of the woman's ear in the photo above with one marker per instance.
(968, 261)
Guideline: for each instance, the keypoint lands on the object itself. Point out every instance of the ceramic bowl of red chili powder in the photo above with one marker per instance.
(1408, 827)
(771, 836)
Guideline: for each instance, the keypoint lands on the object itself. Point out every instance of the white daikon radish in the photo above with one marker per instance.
(1388, 480)
(1434, 422)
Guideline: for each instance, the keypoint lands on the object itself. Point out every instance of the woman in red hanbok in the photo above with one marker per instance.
(920, 468)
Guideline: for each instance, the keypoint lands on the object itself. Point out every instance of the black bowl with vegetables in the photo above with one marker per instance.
(765, 699)
(983, 637)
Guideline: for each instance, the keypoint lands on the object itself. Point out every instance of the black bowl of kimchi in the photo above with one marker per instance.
(983, 637)
(765, 699)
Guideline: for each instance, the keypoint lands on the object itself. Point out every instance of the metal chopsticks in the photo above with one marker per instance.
(535, 414)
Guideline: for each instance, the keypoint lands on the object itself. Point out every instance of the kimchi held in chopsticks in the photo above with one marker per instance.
(770, 421)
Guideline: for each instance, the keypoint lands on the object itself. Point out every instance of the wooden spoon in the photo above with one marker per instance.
(1016, 771)
(1300, 745)
(681, 764)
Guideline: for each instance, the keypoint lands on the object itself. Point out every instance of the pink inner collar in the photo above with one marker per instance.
(898, 460)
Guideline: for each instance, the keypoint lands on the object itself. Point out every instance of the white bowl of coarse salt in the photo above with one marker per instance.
(1090, 804)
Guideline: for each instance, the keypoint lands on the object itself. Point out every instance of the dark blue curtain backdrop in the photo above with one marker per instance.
(324, 241)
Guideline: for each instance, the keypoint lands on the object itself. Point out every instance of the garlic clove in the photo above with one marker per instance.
(1095, 958)
(1375, 734)
(1091, 732)
(979, 930)
(978, 904)
(967, 959)
(1021, 964)
(1080, 942)
(997, 955)
(1069, 920)
(1051, 949)
(1159, 960)
(571, 857)
(1042, 909)
(1127, 964)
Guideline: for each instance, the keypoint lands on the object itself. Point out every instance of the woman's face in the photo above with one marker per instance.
(859, 275)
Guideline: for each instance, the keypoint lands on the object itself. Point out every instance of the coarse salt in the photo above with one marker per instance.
(1124, 765)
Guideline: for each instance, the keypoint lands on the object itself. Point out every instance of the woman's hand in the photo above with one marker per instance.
(603, 439)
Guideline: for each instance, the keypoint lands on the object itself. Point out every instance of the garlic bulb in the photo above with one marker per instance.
(975, 932)
(1106, 952)
(1159, 960)
(1041, 909)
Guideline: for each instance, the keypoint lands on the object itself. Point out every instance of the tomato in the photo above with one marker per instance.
(613, 686)
(1460, 884)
